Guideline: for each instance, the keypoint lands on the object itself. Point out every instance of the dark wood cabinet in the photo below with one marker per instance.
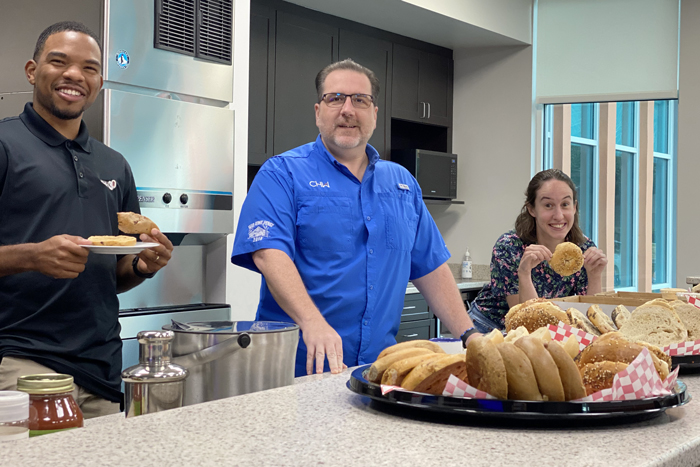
(374, 54)
(416, 319)
(421, 86)
(261, 99)
(289, 45)
(303, 48)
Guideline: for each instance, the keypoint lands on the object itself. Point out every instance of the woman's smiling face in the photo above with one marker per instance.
(554, 212)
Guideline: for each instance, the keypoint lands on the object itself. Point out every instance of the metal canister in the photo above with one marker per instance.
(228, 358)
(155, 384)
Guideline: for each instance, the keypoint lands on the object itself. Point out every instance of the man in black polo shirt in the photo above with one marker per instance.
(58, 186)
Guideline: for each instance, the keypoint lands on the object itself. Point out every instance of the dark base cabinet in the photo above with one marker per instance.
(417, 320)
(412, 330)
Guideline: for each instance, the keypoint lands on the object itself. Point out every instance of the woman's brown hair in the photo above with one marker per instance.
(525, 225)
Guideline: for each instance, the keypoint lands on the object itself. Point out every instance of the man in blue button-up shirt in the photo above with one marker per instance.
(337, 233)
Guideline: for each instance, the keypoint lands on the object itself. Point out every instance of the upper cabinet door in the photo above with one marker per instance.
(436, 88)
(304, 47)
(374, 54)
(421, 86)
(405, 97)
(261, 95)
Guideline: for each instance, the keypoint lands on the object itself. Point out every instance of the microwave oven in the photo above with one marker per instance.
(435, 171)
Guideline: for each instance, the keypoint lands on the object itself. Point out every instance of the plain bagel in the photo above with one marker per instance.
(485, 368)
(545, 369)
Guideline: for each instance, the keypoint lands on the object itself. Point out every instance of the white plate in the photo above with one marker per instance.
(120, 250)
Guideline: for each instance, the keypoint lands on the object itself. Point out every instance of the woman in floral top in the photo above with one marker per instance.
(519, 267)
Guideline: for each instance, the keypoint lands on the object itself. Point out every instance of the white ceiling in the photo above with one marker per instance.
(404, 18)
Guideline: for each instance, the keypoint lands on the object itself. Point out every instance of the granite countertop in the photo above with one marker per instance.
(692, 280)
(320, 421)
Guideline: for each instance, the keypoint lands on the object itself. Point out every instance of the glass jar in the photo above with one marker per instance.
(14, 415)
(51, 404)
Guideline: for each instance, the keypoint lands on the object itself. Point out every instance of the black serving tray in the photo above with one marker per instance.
(688, 363)
(519, 410)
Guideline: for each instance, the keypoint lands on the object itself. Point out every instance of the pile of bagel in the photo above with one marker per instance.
(419, 365)
(524, 364)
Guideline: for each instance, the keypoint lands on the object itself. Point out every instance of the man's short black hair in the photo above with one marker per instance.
(61, 27)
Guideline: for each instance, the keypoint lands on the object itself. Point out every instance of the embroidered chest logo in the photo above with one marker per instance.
(259, 230)
(316, 184)
(112, 184)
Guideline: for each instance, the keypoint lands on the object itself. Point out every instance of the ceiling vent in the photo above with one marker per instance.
(201, 28)
(175, 26)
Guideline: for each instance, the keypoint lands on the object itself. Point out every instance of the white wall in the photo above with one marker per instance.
(492, 137)
(688, 214)
(242, 286)
(510, 18)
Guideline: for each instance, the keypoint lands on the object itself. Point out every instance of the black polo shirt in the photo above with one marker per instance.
(50, 185)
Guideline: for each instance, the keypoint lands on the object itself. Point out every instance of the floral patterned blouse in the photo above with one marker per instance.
(505, 261)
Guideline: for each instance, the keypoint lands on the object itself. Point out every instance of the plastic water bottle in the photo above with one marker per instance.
(467, 265)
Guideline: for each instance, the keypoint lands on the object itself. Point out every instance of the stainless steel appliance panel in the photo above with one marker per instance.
(176, 148)
(130, 26)
(181, 282)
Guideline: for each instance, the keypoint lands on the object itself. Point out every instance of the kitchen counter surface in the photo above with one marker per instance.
(319, 421)
(692, 280)
(462, 284)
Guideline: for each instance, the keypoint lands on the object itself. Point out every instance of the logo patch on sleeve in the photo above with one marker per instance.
(259, 230)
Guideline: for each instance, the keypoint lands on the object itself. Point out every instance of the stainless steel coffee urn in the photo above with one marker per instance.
(155, 384)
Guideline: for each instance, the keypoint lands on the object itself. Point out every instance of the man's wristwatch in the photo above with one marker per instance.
(465, 335)
(134, 265)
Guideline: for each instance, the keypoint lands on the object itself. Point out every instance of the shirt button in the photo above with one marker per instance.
(371, 287)
(366, 323)
(80, 175)
(368, 218)
(75, 158)
(371, 251)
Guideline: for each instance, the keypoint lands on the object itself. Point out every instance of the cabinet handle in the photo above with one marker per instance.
(409, 307)
(410, 335)
(423, 113)
(428, 109)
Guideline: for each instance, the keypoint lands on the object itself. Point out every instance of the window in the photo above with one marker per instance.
(584, 166)
(584, 158)
(626, 176)
(662, 208)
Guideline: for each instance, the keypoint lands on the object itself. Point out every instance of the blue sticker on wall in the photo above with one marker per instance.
(122, 59)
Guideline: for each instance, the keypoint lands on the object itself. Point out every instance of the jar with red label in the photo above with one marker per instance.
(51, 405)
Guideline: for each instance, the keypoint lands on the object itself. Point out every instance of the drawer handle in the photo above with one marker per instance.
(410, 335)
(409, 307)
(415, 314)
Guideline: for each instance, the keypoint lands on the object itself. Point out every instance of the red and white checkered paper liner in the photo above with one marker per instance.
(562, 332)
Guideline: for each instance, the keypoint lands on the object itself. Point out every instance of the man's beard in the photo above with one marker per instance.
(49, 104)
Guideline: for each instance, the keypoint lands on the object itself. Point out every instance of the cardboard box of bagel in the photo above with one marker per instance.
(555, 353)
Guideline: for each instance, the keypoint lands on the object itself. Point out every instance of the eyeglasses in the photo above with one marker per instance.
(337, 99)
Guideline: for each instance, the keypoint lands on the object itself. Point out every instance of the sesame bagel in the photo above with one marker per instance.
(600, 375)
(535, 315)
